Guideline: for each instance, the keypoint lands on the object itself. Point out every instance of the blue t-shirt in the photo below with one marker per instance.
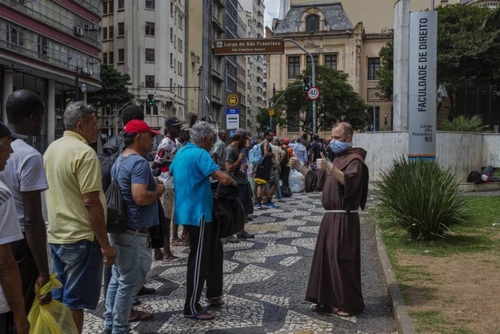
(191, 169)
(134, 169)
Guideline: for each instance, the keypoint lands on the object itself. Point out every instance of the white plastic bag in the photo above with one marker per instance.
(296, 181)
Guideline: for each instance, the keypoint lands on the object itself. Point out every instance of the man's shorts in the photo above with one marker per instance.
(245, 196)
(167, 202)
(80, 271)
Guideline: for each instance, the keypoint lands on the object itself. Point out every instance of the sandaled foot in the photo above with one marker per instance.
(322, 308)
(202, 315)
(171, 259)
(338, 312)
(136, 315)
(158, 255)
(215, 301)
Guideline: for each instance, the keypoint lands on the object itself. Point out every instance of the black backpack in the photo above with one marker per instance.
(474, 177)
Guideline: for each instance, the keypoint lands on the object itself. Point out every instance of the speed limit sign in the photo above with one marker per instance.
(313, 93)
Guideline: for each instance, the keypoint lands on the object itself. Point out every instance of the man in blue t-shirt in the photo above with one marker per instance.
(140, 192)
(192, 168)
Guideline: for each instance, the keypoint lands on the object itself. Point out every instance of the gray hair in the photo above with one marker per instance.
(201, 129)
(76, 112)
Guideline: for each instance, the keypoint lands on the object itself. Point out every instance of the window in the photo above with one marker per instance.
(42, 47)
(150, 4)
(105, 58)
(172, 9)
(179, 70)
(171, 35)
(121, 4)
(373, 67)
(104, 8)
(14, 35)
(171, 84)
(121, 55)
(150, 81)
(111, 8)
(180, 21)
(331, 61)
(315, 57)
(312, 23)
(121, 28)
(179, 46)
(111, 32)
(171, 60)
(150, 28)
(150, 54)
(104, 33)
(111, 58)
(293, 66)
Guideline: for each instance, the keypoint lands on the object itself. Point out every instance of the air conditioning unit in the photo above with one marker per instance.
(78, 31)
(93, 61)
(85, 71)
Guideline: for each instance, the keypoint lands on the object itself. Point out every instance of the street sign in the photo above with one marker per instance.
(313, 93)
(248, 46)
(271, 112)
(232, 118)
(233, 100)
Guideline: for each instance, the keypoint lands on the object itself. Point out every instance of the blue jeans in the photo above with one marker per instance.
(80, 271)
(133, 262)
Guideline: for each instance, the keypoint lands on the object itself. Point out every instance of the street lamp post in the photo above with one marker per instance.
(77, 85)
(313, 79)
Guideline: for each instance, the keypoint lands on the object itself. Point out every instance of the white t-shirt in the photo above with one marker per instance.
(10, 230)
(23, 173)
(165, 154)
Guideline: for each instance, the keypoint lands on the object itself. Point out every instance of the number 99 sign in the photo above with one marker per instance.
(313, 93)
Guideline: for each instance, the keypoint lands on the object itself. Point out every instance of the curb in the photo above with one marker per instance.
(400, 314)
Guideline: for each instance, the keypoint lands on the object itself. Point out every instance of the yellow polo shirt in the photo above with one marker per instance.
(72, 169)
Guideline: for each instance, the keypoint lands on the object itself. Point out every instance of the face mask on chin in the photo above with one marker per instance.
(339, 146)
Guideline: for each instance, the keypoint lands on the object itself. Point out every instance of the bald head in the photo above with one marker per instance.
(21, 104)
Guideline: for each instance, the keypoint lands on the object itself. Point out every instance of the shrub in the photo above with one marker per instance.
(465, 124)
(422, 198)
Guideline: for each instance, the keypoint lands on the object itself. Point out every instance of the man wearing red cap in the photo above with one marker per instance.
(140, 192)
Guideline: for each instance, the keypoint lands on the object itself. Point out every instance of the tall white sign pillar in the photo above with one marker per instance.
(401, 63)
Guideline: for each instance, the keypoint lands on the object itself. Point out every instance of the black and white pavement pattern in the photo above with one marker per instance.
(264, 282)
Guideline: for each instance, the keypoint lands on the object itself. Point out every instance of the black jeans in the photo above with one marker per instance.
(6, 323)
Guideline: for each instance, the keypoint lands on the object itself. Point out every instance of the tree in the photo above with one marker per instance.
(338, 102)
(385, 74)
(466, 53)
(114, 90)
(492, 21)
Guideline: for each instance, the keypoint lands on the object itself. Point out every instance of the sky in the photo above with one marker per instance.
(272, 11)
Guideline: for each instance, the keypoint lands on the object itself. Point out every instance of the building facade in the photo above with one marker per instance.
(147, 40)
(51, 48)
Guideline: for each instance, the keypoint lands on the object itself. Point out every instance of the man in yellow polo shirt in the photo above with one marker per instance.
(76, 212)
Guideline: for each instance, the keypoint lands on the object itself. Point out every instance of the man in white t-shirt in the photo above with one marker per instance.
(12, 313)
(25, 177)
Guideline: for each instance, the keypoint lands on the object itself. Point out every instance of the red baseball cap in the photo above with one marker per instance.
(138, 126)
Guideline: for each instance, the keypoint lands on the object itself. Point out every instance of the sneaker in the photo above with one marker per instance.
(232, 239)
(258, 206)
(245, 235)
(271, 205)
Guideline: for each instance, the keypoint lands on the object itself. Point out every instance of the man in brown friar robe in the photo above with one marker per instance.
(335, 280)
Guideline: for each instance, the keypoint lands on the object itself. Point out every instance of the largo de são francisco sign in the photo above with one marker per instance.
(422, 86)
(248, 46)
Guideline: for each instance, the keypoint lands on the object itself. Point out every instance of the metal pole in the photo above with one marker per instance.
(374, 117)
(313, 79)
(77, 85)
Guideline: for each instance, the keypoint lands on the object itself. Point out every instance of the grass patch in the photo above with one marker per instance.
(476, 237)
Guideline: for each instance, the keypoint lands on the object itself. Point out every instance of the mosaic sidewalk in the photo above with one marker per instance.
(264, 282)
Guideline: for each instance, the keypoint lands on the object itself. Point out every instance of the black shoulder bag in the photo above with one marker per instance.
(117, 210)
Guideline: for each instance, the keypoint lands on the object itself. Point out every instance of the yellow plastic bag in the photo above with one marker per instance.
(51, 318)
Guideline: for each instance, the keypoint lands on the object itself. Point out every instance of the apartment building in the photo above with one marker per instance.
(52, 48)
(147, 40)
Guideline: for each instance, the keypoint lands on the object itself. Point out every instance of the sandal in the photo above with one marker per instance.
(171, 259)
(139, 316)
(322, 308)
(215, 302)
(202, 315)
(338, 312)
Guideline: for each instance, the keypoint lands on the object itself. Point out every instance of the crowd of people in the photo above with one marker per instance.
(163, 188)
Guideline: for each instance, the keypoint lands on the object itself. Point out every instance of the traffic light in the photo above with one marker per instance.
(306, 83)
(151, 100)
